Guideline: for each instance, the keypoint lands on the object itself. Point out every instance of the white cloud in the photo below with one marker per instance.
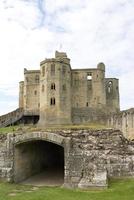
(7, 106)
(89, 31)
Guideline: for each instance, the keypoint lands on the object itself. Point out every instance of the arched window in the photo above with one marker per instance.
(42, 88)
(52, 101)
(110, 87)
(52, 86)
(37, 79)
(52, 69)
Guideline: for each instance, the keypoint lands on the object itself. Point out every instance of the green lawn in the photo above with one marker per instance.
(8, 129)
(118, 190)
(94, 126)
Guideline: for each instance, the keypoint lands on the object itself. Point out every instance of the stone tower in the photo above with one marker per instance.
(55, 90)
(98, 87)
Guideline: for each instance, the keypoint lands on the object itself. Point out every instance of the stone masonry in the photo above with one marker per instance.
(62, 95)
(124, 121)
(91, 157)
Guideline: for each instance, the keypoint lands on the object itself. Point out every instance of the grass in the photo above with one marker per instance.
(8, 129)
(118, 190)
(94, 126)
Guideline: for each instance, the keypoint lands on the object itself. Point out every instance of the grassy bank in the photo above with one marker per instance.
(8, 129)
(118, 190)
(94, 126)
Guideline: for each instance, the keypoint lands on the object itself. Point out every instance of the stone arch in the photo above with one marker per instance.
(46, 136)
(36, 150)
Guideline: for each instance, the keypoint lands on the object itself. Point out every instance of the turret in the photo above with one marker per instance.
(98, 87)
(55, 90)
(101, 66)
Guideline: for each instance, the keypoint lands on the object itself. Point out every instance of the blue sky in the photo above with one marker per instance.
(90, 31)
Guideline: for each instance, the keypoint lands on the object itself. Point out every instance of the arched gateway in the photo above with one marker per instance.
(81, 158)
(40, 153)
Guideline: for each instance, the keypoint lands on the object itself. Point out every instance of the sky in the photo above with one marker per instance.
(89, 31)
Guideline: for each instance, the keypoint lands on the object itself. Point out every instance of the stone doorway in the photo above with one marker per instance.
(39, 163)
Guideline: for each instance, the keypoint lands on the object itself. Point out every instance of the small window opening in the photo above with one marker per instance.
(89, 76)
(52, 101)
(110, 86)
(35, 92)
(52, 69)
(53, 86)
(87, 104)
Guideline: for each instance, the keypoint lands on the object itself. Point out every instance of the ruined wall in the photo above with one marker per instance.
(90, 156)
(11, 117)
(123, 121)
(98, 155)
(6, 158)
(85, 83)
(112, 94)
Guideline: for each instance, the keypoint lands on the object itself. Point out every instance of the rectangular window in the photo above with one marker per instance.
(89, 76)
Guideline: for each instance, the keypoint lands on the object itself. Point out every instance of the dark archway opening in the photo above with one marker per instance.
(39, 163)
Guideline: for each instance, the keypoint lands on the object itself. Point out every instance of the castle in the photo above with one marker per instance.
(60, 95)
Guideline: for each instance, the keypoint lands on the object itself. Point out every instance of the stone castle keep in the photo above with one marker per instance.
(57, 95)
(62, 95)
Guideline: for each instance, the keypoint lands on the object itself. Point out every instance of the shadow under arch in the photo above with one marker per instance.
(42, 154)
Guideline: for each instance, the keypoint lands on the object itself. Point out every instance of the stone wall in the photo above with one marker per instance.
(89, 115)
(6, 158)
(56, 90)
(91, 157)
(11, 117)
(30, 91)
(123, 121)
